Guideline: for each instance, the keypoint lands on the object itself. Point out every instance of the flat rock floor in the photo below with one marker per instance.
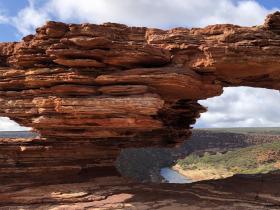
(239, 192)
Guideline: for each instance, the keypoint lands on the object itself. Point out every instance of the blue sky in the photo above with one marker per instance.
(20, 17)
(16, 25)
(269, 3)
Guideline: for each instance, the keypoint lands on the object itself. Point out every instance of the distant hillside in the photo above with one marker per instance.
(261, 158)
(145, 164)
(246, 130)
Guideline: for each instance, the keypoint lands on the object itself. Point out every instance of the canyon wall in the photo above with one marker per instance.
(91, 90)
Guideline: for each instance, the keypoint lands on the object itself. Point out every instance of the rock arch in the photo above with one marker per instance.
(91, 90)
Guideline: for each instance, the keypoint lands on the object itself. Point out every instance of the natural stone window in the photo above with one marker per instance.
(237, 124)
(6, 124)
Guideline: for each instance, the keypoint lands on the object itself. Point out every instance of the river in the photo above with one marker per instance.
(172, 176)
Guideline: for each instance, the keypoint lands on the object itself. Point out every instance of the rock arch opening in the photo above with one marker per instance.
(11, 129)
(6, 124)
(242, 131)
(241, 126)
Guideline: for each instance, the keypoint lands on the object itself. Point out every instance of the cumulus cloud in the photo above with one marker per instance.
(161, 13)
(242, 107)
(29, 18)
(156, 13)
(8, 125)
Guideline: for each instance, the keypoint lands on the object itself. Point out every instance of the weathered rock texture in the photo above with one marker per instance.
(90, 90)
(112, 193)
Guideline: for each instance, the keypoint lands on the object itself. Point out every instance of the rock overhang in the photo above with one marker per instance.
(92, 90)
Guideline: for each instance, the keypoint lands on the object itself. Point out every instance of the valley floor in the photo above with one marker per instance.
(202, 173)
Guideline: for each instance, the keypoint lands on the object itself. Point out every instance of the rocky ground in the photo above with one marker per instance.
(115, 193)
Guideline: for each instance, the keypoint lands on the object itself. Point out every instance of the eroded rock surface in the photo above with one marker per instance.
(91, 90)
(114, 193)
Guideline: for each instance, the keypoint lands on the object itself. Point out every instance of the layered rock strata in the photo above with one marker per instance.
(91, 90)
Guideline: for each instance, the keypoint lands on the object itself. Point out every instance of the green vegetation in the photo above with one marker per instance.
(254, 159)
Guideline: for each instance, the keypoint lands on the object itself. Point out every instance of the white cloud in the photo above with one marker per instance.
(156, 13)
(29, 18)
(3, 18)
(242, 107)
(8, 125)
(161, 13)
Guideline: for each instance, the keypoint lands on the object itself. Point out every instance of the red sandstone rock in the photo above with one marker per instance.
(90, 90)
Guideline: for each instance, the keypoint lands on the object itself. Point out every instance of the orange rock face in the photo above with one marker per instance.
(91, 90)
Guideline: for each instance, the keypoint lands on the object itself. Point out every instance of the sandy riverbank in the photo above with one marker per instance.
(202, 174)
